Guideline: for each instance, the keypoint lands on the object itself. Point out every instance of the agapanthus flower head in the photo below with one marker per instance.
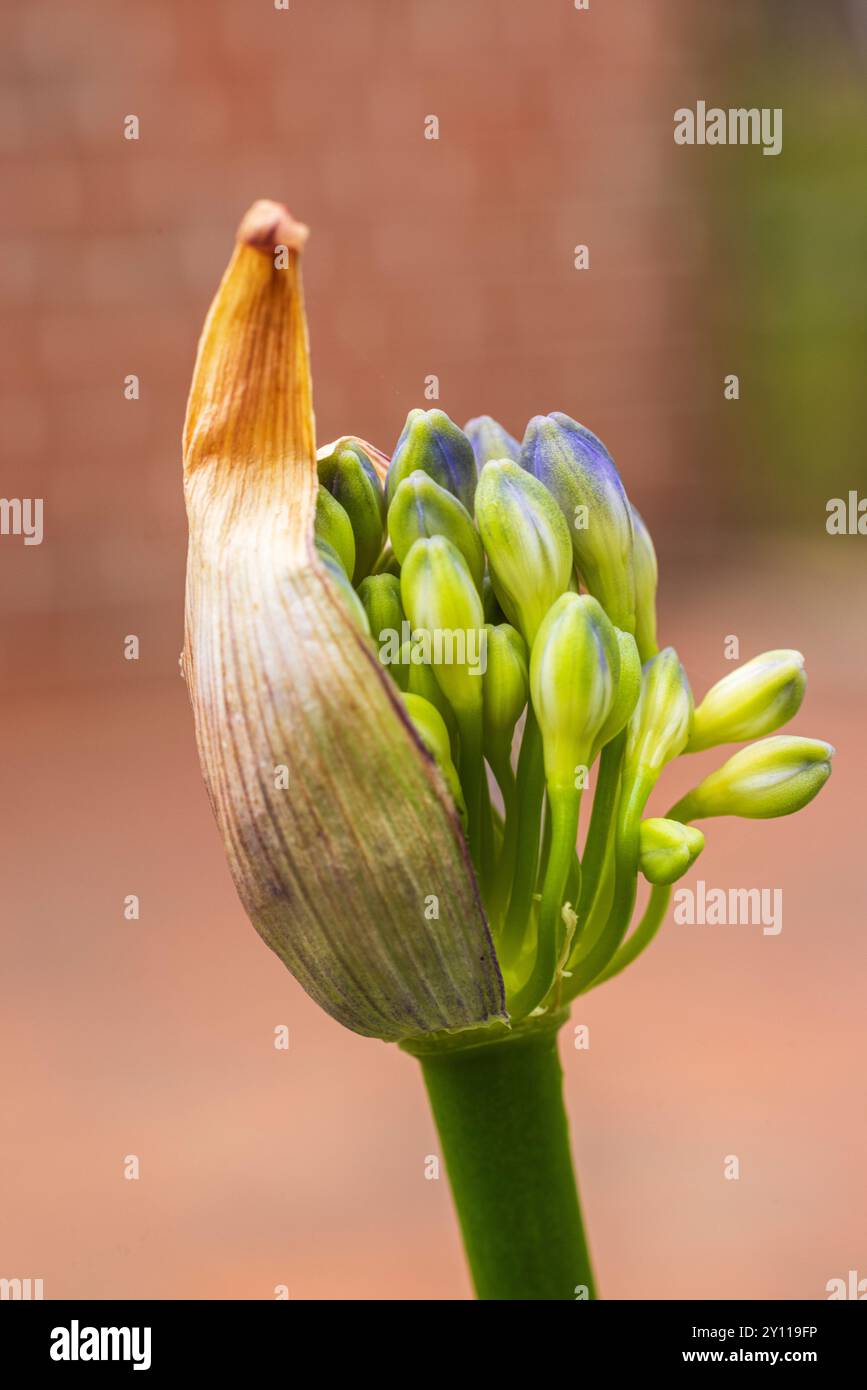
(398, 711)
(578, 471)
(357, 671)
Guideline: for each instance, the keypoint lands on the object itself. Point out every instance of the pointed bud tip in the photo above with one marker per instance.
(267, 225)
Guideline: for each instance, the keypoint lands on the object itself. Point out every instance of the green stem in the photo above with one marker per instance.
(591, 927)
(530, 790)
(654, 914)
(501, 767)
(505, 1139)
(604, 806)
(644, 933)
(633, 801)
(565, 808)
(545, 846)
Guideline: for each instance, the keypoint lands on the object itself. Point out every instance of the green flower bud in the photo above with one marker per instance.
(774, 777)
(579, 472)
(347, 471)
(431, 729)
(646, 574)
(505, 684)
(527, 543)
(660, 724)
(380, 598)
(334, 565)
(491, 441)
(432, 442)
(420, 680)
(332, 525)
(667, 848)
(380, 595)
(574, 669)
(421, 508)
(753, 700)
(444, 606)
(628, 689)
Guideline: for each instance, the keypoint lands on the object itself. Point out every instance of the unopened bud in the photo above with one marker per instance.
(380, 598)
(332, 526)
(491, 441)
(660, 723)
(440, 599)
(527, 543)
(420, 680)
(646, 575)
(774, 777)
(667, 848)
(505, 684)
(574, 668)
(420, 509)
(579, 473)
(334, 565)
(346, 470)
(628, 689)
(753, 700)
(432, 442)
(431, 729)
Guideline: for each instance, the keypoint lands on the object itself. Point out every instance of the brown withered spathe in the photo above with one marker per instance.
(334, 871)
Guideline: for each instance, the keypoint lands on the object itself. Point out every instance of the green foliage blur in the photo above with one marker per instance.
(792, 261)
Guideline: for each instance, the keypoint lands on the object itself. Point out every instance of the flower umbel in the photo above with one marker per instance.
(295, 593)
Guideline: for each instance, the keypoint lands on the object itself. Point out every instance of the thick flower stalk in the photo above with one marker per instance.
(406, 675)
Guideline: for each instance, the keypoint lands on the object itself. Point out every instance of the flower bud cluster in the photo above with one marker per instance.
(527, 580)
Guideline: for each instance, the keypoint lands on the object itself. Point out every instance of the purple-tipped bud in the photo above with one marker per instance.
(579, 472)
(432, 442)
(491, 441)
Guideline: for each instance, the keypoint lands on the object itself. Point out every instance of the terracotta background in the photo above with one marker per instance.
(453, 257)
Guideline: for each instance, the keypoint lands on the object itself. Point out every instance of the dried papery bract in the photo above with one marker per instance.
(356, 873)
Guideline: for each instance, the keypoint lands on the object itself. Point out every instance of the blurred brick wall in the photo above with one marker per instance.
(452, 257)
